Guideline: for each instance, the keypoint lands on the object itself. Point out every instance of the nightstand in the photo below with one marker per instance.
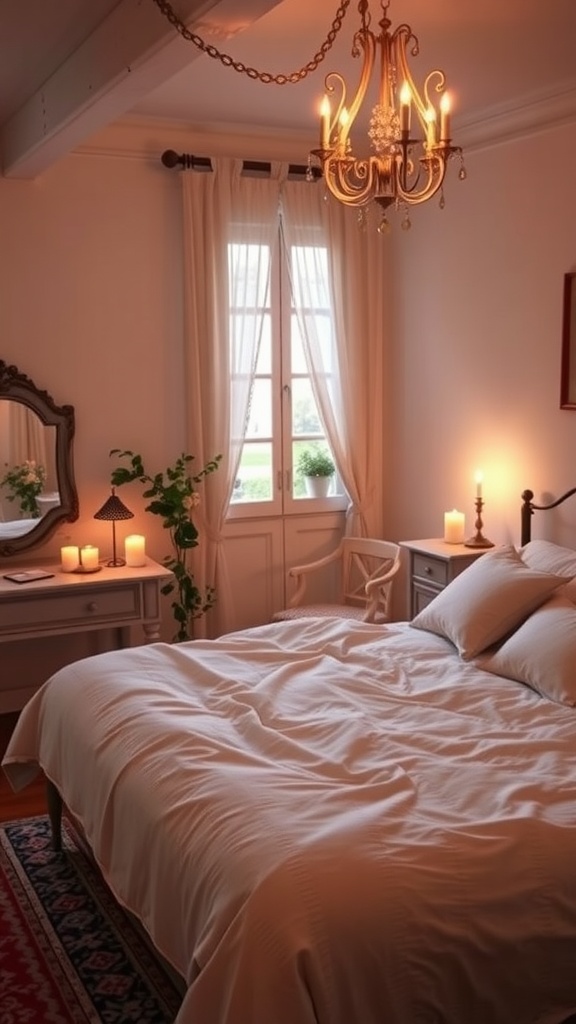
(434, 564)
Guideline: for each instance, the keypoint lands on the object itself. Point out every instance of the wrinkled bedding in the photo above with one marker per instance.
(326, 822)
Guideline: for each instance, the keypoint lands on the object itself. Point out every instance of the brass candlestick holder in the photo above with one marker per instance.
(478, 540)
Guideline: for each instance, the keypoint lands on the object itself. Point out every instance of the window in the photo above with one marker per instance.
(283, 416)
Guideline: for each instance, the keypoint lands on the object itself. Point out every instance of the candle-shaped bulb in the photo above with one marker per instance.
(325, 123)
(445, 106)
(405, 101)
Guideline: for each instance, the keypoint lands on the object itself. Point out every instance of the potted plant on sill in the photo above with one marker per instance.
(317, 467)
(174, 498)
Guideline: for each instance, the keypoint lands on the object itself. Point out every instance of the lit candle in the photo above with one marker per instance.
(479, 479)
(445, 117)
(134, 549)
(325, 123)
(405, 100)
(69, 558)
(430, 127)
(454, 527)
(89, 557)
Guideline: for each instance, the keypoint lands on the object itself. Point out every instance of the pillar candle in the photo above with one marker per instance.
(69, 558)
(454, 527)
(135, 550)
(89, 557)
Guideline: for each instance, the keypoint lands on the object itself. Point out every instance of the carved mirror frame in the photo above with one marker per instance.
(17, 387)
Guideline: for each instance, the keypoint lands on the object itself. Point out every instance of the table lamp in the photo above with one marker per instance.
(112, 511)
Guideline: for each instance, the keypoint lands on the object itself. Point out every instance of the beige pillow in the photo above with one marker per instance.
(486, 601)
(546, 556)
(542, 652)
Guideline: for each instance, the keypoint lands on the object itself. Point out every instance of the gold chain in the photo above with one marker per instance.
(261, 76)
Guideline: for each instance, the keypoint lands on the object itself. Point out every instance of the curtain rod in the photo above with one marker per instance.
(188, 161)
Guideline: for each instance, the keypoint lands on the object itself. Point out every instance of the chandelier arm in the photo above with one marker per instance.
(366, 41)
(262, 76)
(439, 87)
(436, 173)
(355, 182)
(400, 41)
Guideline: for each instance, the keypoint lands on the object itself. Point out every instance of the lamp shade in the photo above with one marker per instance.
(112, 511)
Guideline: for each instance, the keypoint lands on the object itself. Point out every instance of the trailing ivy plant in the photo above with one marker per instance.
(174, 497)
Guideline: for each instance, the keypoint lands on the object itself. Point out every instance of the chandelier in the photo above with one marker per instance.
(408, 131)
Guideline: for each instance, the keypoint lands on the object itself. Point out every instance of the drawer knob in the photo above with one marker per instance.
(92, 607)
(428, 570)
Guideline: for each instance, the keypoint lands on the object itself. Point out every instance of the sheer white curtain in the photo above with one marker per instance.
(352, 400)
(227, 217)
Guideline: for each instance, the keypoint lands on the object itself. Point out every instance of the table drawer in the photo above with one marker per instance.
(434, 570)
(81, 607)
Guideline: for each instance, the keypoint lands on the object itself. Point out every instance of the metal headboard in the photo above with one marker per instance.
(528, 508)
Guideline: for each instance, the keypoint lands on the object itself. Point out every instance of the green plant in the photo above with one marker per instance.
(174, 498)
(315, 461)
(25, 483)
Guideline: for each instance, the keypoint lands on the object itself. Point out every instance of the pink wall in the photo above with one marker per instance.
(90, 307)
(475, 368)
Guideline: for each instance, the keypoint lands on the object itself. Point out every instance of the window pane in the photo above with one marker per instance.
(310, 276)
(248, 274)
(260, 414)
(321, 329)
(264, 361)
(254, 479)
(305, 419)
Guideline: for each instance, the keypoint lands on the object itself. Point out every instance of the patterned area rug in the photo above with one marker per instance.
(69, 954)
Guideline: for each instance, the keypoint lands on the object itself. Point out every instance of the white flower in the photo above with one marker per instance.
(191, 501)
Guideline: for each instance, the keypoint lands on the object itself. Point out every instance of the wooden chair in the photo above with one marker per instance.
(366, 572)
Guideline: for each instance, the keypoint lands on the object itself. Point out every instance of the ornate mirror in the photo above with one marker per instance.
(37, 489)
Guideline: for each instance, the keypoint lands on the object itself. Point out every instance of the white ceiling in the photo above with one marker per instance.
(68, 67)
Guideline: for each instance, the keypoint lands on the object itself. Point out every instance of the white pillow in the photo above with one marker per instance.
(546, 556)
(542, 652)
(486, 601)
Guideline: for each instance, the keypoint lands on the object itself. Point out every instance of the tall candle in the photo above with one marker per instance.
(135, 550)
(454, 527)
(445, 117)
(479, 479)
(89, 557)
(325, 123)
(69, 558)
(405, 99)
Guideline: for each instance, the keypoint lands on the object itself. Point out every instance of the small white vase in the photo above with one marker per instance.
(317, 486)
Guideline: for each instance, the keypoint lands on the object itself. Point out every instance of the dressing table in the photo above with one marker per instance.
(113, 599)
(48, 623)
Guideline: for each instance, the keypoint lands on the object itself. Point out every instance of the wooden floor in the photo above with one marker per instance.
(29, 801)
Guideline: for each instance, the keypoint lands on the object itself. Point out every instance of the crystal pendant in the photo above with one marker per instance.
(384, 226)
(384, 129)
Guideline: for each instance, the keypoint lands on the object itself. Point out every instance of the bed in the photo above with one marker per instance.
(16, 528)
(334, 822)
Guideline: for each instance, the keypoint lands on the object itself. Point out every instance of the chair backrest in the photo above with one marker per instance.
(368, 568)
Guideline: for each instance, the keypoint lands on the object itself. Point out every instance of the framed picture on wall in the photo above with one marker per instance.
(568, 368)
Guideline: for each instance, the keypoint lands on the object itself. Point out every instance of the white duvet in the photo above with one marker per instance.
(326, 822)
